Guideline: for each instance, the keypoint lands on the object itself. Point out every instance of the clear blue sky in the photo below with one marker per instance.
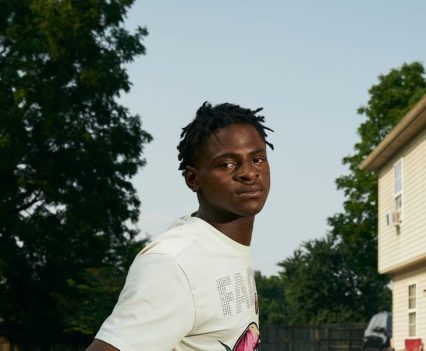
(308, 63)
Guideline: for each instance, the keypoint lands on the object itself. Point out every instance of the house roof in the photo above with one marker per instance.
(408, 127)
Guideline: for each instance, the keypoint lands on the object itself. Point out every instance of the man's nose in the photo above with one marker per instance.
(246, 172)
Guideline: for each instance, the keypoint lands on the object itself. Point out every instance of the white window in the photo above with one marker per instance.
(412, 310)
(397, 168)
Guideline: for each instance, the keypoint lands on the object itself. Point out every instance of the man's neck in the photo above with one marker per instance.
(239, 229)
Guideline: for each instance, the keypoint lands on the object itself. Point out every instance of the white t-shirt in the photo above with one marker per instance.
(191, 289)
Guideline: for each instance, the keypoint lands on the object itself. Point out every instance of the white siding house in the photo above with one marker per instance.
(400, 162)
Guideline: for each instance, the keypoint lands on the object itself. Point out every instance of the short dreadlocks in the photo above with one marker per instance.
(210, 118)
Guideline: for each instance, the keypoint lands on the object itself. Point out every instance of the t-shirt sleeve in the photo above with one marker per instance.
(155, 309)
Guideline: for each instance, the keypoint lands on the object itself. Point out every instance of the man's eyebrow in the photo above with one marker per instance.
(234, 154)
(261, 149)
(227, 154)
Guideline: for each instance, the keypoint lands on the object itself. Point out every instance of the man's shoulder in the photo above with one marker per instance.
(182, 236)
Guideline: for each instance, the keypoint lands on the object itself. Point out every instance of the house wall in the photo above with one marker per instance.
(407, 245)
(401, 281)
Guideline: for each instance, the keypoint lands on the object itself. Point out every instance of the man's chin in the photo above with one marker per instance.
(251, 212)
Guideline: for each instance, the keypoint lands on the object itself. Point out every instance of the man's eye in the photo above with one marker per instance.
(228, 164)
(258, 160)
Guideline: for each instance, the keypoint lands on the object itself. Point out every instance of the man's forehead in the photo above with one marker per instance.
(234, 137)
(234, 130)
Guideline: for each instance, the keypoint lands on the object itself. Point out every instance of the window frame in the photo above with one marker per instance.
(399, 193)
(398, 199)
(412, 311)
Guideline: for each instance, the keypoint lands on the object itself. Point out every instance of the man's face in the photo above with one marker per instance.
(231, 174)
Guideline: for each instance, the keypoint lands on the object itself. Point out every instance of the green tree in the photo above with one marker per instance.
(356, 227)
(319, 284)
(68, 150)
(272, 304)
(93, 292)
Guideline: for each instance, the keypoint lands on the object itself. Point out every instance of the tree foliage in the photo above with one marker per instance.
(318, 284)
(68, 150)
(271, 300)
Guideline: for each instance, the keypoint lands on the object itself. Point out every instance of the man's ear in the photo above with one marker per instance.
(191, 178)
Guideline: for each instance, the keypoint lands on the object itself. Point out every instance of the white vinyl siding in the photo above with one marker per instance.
(401, 159)
(410, 245)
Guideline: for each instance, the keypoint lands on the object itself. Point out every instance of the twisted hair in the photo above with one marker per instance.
(210, 118)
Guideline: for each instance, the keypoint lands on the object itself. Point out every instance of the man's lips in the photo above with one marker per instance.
(249, 191)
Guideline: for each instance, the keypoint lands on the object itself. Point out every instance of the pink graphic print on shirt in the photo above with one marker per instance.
(248, 341)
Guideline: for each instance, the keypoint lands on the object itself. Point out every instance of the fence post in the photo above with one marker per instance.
(327, 339)
(290, 340)
(350, 340)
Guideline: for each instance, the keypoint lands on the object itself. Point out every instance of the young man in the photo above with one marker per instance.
(193, 288)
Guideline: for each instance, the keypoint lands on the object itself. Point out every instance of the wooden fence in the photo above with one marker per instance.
(307, 338)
